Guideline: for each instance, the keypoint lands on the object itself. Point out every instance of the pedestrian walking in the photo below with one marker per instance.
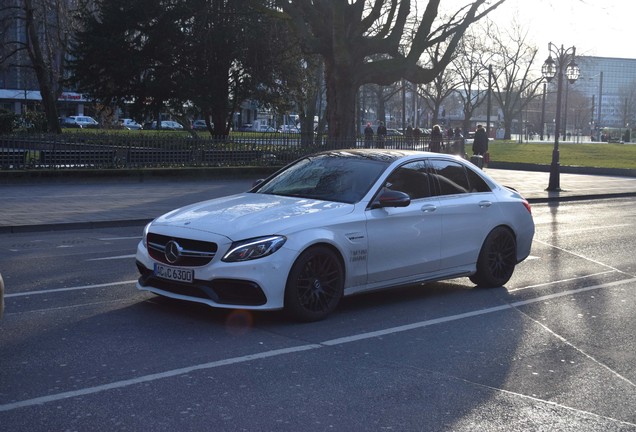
(381, 132)
(458, 142)
(368, 136)
(480, 143)
(437, 137)
(409, 136)
(417, 135)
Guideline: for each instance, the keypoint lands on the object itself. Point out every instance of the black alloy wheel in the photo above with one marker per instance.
(315, 284)
(497, 259)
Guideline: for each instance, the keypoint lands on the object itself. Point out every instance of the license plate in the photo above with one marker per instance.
(174, 273)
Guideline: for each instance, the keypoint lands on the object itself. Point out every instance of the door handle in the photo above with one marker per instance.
(428, 208)
(485, 204)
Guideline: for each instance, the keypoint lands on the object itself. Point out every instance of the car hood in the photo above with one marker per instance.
(250, 215)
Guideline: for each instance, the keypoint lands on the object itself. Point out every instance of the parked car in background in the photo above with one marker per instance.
(165, 125)
(470, 139)
(82, 122)
(266, 128)
(200, 125)
(338, 223)
(129, 124)
(289, 129)
(247, 127)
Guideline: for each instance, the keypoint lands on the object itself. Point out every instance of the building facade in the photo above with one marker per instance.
(609, 86)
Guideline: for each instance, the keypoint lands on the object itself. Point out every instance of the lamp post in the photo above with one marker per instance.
(600, 102)
(543, 112)
(563, 62)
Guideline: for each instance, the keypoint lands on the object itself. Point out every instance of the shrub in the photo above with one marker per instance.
(7, 121)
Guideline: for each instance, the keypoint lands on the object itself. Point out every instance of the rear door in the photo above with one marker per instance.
(468, 211)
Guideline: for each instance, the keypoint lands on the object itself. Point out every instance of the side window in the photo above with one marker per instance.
(477, 184)
(451, 177)
(412, 179)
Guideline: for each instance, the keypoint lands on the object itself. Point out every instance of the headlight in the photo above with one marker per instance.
(254, 248)
(144, 237)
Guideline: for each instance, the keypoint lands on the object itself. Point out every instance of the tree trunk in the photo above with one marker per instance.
(341, 94)
(219, 116)
(381, 101)
(49, 98)
(507, 129)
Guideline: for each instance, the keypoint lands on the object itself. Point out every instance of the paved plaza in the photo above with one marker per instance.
(84, 203)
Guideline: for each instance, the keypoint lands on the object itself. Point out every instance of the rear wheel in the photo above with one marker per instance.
(497, 259)
(315, 284)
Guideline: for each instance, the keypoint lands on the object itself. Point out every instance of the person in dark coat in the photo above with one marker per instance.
(458, 142)
(437, 137)
(408, 133)
(417, 134)
(368, 136)
(381, 132)
(480, 143)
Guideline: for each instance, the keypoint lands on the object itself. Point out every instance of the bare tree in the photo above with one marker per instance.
(470, 64)
(383, 94)
(627, 106)
(46, 27)
(363, 42)
(514, 84)
(441, 87)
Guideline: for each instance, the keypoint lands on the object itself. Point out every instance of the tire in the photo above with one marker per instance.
(497, 259)
(315, 284)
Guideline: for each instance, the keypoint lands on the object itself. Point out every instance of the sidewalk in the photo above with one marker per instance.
(42, 206)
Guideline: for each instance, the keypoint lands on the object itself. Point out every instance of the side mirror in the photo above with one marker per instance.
(391, 198)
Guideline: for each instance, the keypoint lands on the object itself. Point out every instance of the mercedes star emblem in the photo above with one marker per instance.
(173, 251)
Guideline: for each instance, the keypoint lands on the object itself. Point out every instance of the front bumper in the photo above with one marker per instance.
(257, 284)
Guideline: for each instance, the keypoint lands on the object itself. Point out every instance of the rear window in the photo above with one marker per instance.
(454, 178)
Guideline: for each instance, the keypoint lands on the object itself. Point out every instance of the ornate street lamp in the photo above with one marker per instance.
(563, 62)
(543, 111)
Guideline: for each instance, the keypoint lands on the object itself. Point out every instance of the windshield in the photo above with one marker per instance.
(326, 177)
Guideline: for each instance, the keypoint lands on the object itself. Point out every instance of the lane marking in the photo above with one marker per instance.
(112, 258)
(574, 347)
(594, 228)
(579, 256)
(155, 376)
(273, 353)
(562, 281)
(548, 402)
(29, 293)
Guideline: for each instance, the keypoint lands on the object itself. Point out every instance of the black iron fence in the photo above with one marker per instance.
(100, 151)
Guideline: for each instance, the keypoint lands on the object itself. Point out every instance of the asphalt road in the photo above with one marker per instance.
(81, 349)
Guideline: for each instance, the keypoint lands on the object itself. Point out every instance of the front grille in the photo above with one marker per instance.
(193, 253)
(222, 291)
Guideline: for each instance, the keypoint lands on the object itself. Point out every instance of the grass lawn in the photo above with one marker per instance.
(600, 155)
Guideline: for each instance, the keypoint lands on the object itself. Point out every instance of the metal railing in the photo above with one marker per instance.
(101, 151)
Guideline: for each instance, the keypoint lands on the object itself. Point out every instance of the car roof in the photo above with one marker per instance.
(380, 155)
(390, 156)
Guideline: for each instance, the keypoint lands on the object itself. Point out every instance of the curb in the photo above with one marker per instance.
(141, 175)
(564, 169)
(69, 226)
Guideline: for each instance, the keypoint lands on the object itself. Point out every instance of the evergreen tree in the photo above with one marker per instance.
(211, 54)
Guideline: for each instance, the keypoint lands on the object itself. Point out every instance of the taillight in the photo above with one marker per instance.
(526, 204)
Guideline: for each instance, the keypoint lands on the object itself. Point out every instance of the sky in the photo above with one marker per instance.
(602, 28)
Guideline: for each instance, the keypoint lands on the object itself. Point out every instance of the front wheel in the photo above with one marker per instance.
(315, 284)
(497, 259)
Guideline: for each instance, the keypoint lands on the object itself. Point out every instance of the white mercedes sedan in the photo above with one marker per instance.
(338, 223)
